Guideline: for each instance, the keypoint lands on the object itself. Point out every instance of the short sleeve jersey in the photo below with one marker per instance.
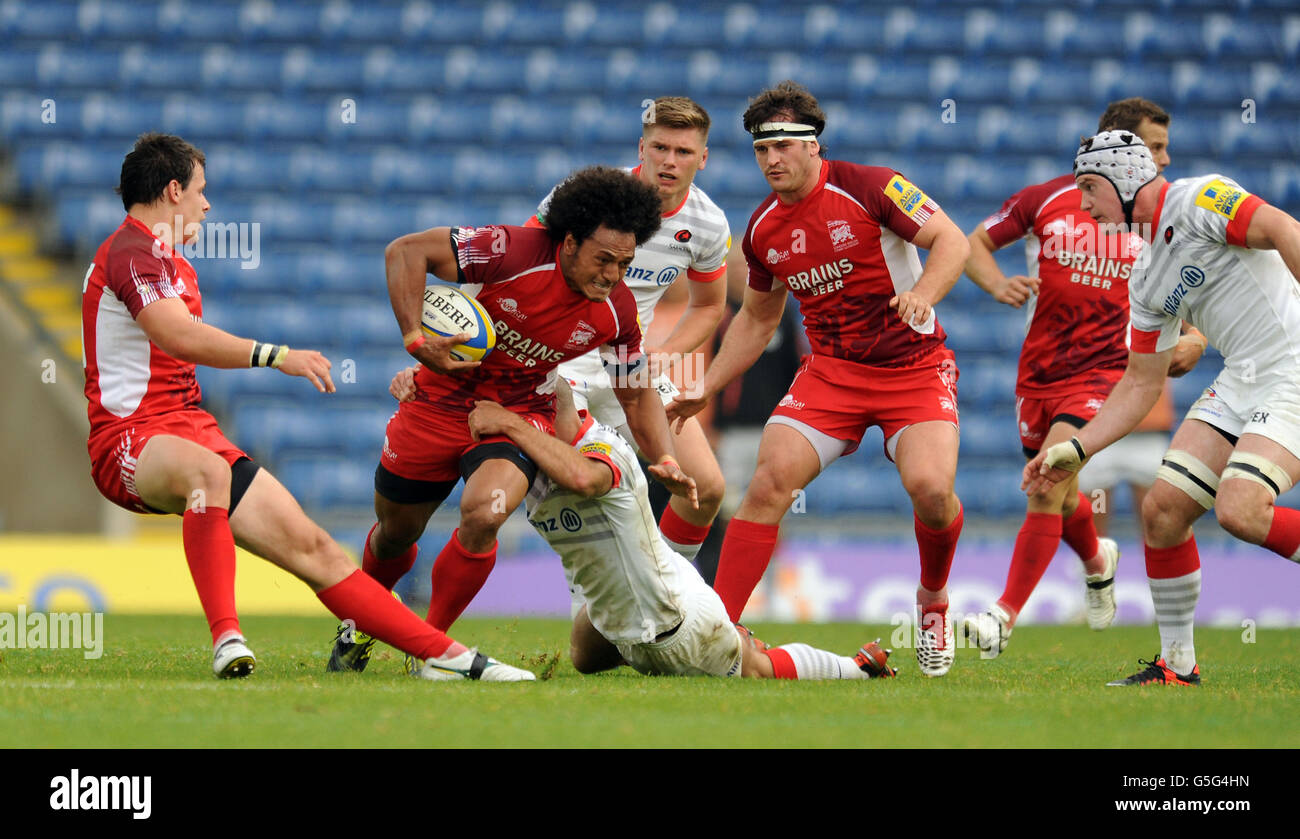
(1074, 329)
(843, 251)
(128, 378)
(539, 321)
(1200, 270)
(693, 240)
(610, 545)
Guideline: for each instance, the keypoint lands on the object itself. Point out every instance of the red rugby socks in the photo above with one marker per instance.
(386, 571)
(936, 548)
(457, 577)
(1036, 544)
(746, 550)
(371, 607)
(210, 553)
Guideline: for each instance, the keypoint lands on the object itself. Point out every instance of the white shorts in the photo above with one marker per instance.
(706, 643)
(1130, 460)
(593, 393)
(1271, 410)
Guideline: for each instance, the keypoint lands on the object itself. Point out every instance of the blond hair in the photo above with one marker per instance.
(675, 112)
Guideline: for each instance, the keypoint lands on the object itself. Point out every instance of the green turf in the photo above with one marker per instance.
(153, 687)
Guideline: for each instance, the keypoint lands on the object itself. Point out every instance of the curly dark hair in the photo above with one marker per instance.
(787, 96)
(604, 195)
(156, 160)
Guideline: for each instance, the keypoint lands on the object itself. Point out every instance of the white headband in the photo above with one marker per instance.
(784, 130)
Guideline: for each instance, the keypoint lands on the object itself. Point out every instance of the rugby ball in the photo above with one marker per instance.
(449, 311)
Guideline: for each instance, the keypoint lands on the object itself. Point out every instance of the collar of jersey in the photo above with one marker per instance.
(139, 225)
(1160, 206)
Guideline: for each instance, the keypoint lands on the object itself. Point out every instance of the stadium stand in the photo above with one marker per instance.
(336, 126)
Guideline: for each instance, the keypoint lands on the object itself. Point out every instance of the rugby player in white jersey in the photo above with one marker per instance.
(693, 240)
(635, 599)
(1227, 263)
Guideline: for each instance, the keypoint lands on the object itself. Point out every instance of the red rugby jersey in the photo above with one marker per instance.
(128, 378)
(515, 273)
(843, 251)
(1075, 332)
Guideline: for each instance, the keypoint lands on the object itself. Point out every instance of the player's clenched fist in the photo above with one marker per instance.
(490, 418)
(1053, 465)
(311, 365)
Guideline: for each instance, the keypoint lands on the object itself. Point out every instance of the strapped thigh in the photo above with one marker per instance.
(1187, 473)
(1261, 470)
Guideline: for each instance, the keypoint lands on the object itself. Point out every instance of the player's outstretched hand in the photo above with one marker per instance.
(435, 353)
(489, 418)
(683, 407)
(403, 386)
(914, 309)
(1016, 290)
(311, 365)
(1051, 466)
(668, 473)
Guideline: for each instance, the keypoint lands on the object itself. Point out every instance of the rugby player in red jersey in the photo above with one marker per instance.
(154, 450)
(692, 240)
(842, 238)
(1074, 353)
(553, 294)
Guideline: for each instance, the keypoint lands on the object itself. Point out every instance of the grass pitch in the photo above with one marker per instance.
(153, 687)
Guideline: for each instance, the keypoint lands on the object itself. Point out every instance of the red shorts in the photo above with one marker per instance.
(842, 399)
(424, 444)
(1035, 416)
(115, 451)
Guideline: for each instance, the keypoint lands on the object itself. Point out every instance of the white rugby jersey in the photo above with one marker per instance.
(610, 546)
(1199, 270)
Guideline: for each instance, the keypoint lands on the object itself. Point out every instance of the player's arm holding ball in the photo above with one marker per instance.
(408, 261)
(168, 325)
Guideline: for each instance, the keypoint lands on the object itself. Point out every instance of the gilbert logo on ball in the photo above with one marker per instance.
(448, 311)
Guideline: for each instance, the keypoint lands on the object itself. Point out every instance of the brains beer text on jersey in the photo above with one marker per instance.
(524, 349)
(821, 279)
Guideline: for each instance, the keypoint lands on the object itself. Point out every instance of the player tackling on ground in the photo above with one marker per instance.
(154, 450)
(1227, 263)
(842, 238)
(693, 240)
(553, 294)
(1077, 295)
(635, 599)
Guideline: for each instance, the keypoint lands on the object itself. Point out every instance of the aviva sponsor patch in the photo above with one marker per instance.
(597, 448)
(911, 200)
(1221, 198)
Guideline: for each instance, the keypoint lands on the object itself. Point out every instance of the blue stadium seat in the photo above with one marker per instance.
(990, 436)
(991, 491)
(364, 22)
(1012, 34)
(1262, 139)
(1111, 80)
(1066, 34)
(444, 119)
(872, 79)
(394, 72)
(776, 27)
(265, 21)
(225, 68)
(1153, 36)
(58, 66)
(850, 31)
(38, 19)
(18, 67)
(331, 70)
(522, 24)
(908, 32)
(1243, 38)
(709, 72)
(556, 72)
(267, 118)
(324, 482)
(606, 24)
(1194, 84)
(197, 22)
(144, 66)
(987, 381)
(1035, 82)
